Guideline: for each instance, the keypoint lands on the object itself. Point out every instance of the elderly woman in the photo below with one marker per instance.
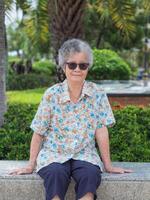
(70, 117)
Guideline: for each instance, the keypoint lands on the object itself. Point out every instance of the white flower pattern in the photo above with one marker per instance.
(69, 128)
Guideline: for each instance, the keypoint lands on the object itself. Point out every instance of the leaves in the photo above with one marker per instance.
(129, 138)
(108, 66)
(145, 4)
(119, 13)
(36, 25)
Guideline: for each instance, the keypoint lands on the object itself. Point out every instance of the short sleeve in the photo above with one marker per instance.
(106, 117)
(41, 121)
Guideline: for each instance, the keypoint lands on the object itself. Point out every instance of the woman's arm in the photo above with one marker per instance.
(34, 150)
(102, 138)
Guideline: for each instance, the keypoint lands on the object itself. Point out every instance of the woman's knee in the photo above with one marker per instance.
(90, 174)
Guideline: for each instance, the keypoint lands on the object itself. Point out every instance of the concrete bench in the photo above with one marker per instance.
(134, 186)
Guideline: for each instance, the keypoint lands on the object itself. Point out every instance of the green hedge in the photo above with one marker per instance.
(45, 66)
(15, 134)
(108, 65)
(42, 75)
(29, 81)
(129, 138)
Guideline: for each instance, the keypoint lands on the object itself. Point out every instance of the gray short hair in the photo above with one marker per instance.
(72, 46)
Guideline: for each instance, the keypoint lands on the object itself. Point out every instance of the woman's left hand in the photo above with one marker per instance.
(117, 170)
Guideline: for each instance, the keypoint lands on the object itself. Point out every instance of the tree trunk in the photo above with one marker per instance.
(2, 63)
(66, 23)
(98, 42)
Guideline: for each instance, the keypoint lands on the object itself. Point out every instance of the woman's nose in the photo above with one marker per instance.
(77, 68)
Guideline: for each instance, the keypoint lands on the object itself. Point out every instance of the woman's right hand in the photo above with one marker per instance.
(23, 170)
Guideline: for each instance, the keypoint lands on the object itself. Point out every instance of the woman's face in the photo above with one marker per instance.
(77, 74)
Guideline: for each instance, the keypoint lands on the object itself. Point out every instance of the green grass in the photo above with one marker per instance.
(32, 96)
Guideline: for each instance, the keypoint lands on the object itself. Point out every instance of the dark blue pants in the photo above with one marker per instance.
(57, 177)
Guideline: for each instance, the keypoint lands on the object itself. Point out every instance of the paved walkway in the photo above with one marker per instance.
(126, 87)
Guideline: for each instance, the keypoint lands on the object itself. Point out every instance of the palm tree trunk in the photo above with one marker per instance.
(66, 23)
(2, 62)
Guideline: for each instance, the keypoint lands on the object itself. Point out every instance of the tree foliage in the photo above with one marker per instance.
(66, 22)
(111, 24)
(36, 26)
(117, 14)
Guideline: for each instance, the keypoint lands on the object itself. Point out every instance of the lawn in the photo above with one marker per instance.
(32, 96)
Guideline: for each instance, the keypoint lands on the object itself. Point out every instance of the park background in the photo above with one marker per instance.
(118, 32)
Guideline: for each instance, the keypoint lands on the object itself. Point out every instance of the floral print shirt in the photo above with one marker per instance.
(69, 128)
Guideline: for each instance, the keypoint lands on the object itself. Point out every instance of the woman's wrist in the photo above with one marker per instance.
(107, 166)
(32, 164)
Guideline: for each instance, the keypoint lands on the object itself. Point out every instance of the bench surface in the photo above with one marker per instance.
(128, 186)
(141, 171)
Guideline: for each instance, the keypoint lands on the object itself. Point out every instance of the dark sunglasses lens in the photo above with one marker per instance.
(72, 65)
(83, 66)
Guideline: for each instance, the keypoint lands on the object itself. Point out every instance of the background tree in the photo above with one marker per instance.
(18, 45)
(16, 37)
(2, 62)
(115, 21)
(36, 27)
(110, 24)
(66, 23)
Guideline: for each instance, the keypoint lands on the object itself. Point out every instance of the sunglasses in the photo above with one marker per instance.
(73, 65)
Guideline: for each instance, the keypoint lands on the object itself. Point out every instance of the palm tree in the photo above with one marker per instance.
(2, 62)
(36, 27)
(120, 14)
(66, 22)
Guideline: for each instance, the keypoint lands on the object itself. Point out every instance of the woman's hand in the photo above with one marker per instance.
(102, 139)
(24, 170)
(117, 170)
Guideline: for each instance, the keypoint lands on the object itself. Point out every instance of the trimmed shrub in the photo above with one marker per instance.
(108, 66)
(42, 75)
(129, 138)
(12, 59)
(46, 67)
(16, 133)
(29, 81)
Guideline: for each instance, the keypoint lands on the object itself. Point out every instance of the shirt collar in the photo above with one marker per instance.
(86, 91)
